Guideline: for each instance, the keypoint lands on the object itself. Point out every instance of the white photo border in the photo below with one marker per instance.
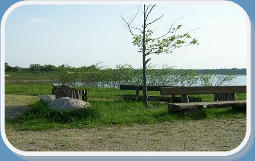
(123, 153)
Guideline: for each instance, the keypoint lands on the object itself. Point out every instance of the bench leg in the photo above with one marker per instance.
(224, 97)
(137, 93)
(185, 98)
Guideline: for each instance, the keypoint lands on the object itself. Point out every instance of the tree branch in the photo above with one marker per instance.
(170, 29)
(147, 14)
(147, 60)
(131, 21)
(136, 28)
(135, 15)
(154, 20)
(128, 25)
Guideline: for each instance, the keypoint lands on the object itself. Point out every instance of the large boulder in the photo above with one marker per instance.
(66, 103)
(47, 98)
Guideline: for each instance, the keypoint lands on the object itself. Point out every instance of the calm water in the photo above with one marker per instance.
(240, 80)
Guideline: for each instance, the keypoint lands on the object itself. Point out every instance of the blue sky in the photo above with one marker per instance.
(80, 35)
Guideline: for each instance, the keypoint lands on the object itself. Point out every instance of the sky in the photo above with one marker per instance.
(83, 35)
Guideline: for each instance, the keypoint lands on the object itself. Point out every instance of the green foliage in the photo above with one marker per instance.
(125, 74)
(164, 76)
(186, 77)
(66, 75)
(163, 44)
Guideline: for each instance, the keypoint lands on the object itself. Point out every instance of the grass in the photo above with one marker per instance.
(32, 89)
(19, 100)
(107, 108)
(35, 89)
(112, 124)
(40, 117)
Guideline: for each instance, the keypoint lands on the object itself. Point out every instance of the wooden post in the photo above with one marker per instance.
(173, 98)
(83, 95)
(53, 89)
(80, 94)
(64, 92)
(185, 98)
(137, 93)
(70, 93)
(57, 93)
(76, 94)
(86, 95)
(61, 90)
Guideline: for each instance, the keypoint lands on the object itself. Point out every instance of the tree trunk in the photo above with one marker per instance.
(145, 99)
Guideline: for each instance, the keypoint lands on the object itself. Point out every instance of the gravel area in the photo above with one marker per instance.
(196, 135)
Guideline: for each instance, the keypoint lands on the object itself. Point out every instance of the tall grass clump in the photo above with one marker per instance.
(40, 110)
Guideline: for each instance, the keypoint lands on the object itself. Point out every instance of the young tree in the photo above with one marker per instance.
(148, 43)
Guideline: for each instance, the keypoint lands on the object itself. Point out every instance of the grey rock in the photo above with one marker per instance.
(47, 98)
(66, 103)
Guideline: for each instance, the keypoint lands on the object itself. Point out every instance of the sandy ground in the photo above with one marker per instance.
(199, 135)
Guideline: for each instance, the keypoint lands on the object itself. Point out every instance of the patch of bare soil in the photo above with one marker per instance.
(15, 105)
(196, 135)
(14, 111)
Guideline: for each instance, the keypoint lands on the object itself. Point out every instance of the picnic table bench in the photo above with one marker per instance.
(224, 96)
(182, 107)
(161, 98)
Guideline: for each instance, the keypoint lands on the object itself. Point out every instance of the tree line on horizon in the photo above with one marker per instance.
(36, 68)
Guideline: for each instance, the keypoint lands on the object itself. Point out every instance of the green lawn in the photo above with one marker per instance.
(101, 113)
(107, 108)
(35, 89)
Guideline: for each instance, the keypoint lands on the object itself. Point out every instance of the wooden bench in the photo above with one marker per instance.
(223, 96)
(152, 98)
(138, 97)
(66, 91)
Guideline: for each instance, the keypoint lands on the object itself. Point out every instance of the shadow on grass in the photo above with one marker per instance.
(201, 114)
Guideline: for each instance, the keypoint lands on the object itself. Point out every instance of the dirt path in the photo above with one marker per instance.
(196, 135)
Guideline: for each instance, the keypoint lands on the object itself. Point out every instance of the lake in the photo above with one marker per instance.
(240, 80)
